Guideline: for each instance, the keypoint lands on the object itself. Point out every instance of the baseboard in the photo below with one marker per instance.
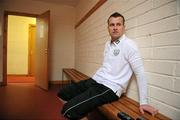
(17, 75)
(60, 82)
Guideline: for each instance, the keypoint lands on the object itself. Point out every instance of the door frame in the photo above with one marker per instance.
(5, 19)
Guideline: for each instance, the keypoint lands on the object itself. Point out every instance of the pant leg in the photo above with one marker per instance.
(79, 106)
(74, 89)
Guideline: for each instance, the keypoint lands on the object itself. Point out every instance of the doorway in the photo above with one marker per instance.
(21, 49)
(41, 47)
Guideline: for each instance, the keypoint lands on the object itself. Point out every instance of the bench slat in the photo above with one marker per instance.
(122, 107)
(72, 75)
(76, 76)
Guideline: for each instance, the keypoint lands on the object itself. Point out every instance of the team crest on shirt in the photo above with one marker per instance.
(116, 52)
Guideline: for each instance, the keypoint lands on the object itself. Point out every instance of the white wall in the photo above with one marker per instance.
(155, 27)
(17, 44)
(62, 34)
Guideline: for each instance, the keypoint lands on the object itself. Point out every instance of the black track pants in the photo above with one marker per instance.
(83, 97)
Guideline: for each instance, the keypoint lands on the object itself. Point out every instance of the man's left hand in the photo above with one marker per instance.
(148, 108)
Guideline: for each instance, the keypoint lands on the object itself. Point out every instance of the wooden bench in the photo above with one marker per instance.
(110, 110)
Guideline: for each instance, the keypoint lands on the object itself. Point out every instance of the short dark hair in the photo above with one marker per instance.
(116, 14)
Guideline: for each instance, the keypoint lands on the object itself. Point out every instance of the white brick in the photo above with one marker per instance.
(142, 31)
(131, 23)
(144, 41)
(164, 25)
(89, 69)
(179, 20)
(165, 11)
(165, 109)
(176, 85)
(177, 70)
(159, 80)
(170, 53)
(146, 53)
(139, 9)
(146, 6)
(157, 3)
(103, 40)
(159, 13)
(131, 33)
(145, 18)
(133, 84)
(165, 96)
(178, 6)
(133, 94)
(168, 38)
(128, 4)
(162, 67)
(120, 5)
(132, 90)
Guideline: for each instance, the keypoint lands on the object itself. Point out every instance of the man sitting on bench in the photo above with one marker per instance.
(121, 59)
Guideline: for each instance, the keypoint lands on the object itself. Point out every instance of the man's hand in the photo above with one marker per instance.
(148, 108)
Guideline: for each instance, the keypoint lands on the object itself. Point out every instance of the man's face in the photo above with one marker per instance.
(116, 27)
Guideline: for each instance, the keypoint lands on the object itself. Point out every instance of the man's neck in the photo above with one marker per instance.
(117, 40)
(114, 40)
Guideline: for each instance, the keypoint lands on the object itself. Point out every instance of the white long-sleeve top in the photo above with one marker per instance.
(121, 59)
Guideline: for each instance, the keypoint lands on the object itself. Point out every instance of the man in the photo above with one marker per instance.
(121, 59)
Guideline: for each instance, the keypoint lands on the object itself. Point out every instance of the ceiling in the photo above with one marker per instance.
(62, 2)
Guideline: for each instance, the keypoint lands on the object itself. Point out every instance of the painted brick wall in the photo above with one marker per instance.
(155, 26)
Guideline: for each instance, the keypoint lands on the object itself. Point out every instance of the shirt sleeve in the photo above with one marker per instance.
(135, 61)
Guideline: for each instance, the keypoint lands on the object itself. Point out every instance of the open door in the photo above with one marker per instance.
(41, 57)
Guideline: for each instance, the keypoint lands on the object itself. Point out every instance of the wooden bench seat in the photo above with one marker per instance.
(124, 104)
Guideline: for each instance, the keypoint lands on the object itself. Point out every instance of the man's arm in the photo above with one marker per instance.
(137, 66)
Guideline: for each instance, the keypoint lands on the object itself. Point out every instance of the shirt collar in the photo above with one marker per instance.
(119, 40)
